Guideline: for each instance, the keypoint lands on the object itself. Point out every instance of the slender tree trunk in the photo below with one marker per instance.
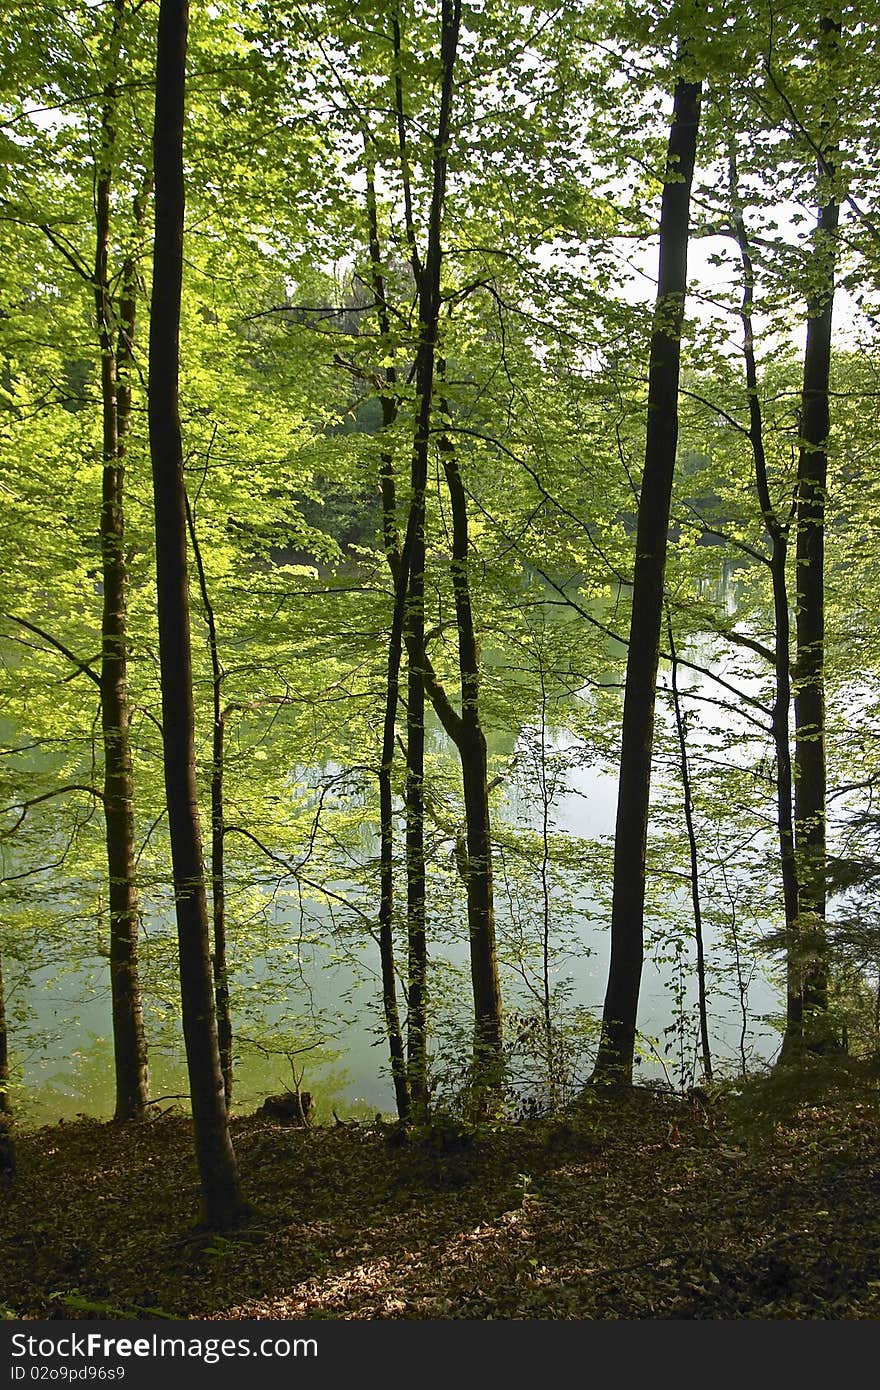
(417, 961)
(5, 1098)
(7, 1140)
(808, 982)
(400, 574)
(409, 1070)
(778, 533)
(546, 787)
(614, 1061)
(7, 1143)
(218, 906)
(681, 729)
(464, 729)
(399, 1073)
(129, 1043)
(429, 313)
(488, 1050)
(216, 1159)
(218, 825)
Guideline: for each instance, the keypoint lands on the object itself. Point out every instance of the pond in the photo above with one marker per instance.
(308, 1011)
(305, 982)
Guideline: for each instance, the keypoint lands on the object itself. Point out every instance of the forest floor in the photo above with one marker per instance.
(762, 1203)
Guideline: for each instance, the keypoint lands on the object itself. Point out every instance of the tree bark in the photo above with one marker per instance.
(806, 1024)
(614, 1061)
(417, 943)
(684, 768)
(778, 535)
(5, 1098)
(218, 825)
(7, 1138)
(399, 565)
(471, 742)
(423, 681)
(129, 1043)
(399, 1071)
(216, 1159)
(429, 313)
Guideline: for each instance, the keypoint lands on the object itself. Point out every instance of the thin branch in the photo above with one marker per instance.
(70, 256)
(82, 666)
(24, 806)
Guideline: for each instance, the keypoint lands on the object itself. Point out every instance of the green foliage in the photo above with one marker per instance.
(289, 376)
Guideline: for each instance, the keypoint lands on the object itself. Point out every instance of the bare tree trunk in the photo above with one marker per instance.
(465, 732)
(5, 1098)
(681, 729)
(218, 826)
(488, 1050)
(614, 1061)
(778, 535)
(417, 961)
(429, 313)
(399, 565)
(399, 1073)
(808, 981)
(223, 1205)
(7, 1141)
(129, 1043)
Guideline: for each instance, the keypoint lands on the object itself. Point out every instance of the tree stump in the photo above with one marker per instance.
(289, 1108)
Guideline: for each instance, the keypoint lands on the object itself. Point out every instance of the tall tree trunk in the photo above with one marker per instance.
(465, 732)
(129, 1043)
(218, 824)
(7, 1141)
(400, 574)
(808, 980)
(5, 1098)
(681, 729)
(429, 314)
(488, 1050)
(614, 1061)
(778, 534)
(216, 1159)
(399, 1071)
(417, 960)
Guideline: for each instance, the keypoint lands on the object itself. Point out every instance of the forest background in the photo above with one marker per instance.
(476, 504)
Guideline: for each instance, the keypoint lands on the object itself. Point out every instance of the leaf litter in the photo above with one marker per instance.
(760, 1204)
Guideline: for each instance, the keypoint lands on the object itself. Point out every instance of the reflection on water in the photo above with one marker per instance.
(69, 1070)
(82, 1084)
(337, 1051)
(316, 1022)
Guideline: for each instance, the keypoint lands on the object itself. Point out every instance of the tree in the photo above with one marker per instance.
(614, 1060)
(98, 144)
(470, 741)
(7, 1142)
(223, 1205)
(116, 329)
(219, 960)
(681, 731)
(777, 528)
(808, 973)
(407, 567)
(5, 1098)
